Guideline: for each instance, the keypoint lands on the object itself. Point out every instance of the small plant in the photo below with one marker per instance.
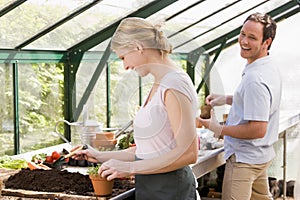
(93, 170)
(102, 187)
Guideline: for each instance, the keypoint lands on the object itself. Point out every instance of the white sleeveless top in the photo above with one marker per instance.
(153, 134)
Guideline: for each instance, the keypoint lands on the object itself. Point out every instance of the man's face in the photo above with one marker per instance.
(251, 41)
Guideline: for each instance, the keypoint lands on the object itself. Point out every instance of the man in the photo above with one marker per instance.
(252, 124)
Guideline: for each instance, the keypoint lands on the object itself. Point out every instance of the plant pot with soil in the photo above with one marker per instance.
(102, 187)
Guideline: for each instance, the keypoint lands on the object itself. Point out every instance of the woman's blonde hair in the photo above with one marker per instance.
(134, 30)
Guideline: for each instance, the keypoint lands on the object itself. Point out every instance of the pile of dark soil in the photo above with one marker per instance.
(59, 181)
(50, 181)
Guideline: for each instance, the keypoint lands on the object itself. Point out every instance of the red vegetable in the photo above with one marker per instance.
(55, 155)
(49, 159)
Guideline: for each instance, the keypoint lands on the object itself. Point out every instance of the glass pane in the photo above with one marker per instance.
(86, 24)
(40, 90)
(124, 94)
(162, 15)
(96, 103)
(6, 110)
(97, 98)
(223, 26)
(30, 18)
(187, 18)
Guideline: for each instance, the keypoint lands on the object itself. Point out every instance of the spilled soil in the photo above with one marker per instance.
(60, 181)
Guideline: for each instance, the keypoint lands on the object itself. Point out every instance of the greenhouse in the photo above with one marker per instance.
(59, 72)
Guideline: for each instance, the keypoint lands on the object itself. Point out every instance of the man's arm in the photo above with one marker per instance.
(250, 130)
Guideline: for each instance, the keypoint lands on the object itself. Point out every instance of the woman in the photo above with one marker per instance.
(164, 127)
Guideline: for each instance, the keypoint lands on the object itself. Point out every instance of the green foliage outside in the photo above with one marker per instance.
(40, 90)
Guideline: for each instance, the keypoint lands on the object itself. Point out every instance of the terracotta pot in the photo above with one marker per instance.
(102, 187)
(104, 145)
(105, 136)
(205, 111)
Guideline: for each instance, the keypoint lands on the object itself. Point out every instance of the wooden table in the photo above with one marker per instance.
(210, 160)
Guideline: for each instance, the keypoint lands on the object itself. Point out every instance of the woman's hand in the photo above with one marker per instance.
(115, 169)
(86, 154)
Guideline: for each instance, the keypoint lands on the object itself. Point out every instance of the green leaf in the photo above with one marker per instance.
(93, 170)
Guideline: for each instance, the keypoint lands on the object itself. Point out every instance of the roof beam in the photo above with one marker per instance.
(28, 56)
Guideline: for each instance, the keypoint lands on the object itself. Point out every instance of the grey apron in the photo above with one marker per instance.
(176, 185)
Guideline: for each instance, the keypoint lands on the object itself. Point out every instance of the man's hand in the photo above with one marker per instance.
(211, 124)
(215, 100)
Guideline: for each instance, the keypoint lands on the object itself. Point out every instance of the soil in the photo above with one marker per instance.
(60, 181)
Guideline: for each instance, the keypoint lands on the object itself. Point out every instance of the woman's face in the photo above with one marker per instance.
(134, 59)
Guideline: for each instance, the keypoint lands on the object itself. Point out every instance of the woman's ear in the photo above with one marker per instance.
(139, 47)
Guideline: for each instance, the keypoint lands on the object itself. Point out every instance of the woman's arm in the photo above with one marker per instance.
(94, 155)
(250, 130)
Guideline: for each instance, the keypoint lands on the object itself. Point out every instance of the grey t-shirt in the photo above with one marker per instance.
(257, 98)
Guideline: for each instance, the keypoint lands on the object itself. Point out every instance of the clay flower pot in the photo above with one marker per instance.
(105, 141)
(205, 111)
(104, 145)
(102, 187)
